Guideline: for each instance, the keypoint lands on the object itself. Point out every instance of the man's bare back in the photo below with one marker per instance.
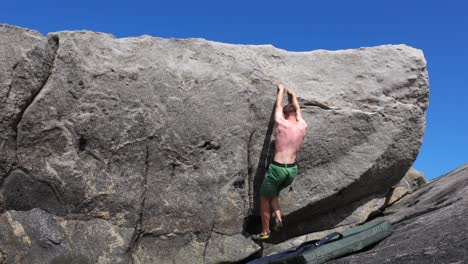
(289, 133)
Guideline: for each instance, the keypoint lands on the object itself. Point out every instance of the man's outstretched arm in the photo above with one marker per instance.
(293, 100)
(279, 101)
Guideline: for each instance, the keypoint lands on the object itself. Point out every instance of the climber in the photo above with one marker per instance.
(289, 134)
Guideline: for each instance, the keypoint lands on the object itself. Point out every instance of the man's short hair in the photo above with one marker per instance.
(289, 109)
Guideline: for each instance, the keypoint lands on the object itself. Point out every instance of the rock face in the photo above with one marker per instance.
(168, 139)
(430, 225)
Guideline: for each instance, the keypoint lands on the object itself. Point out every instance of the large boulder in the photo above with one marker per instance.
(430, 225)
(170, 137)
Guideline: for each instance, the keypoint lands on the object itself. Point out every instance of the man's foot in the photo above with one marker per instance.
(261, 236)
(278, 223)
(278, 226)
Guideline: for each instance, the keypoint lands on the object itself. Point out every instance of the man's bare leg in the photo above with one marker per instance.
(276, 208)
(265, 214)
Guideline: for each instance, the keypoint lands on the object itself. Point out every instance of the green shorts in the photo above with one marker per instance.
(278, 177)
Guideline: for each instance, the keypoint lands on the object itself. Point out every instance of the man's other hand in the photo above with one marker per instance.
(290, 91)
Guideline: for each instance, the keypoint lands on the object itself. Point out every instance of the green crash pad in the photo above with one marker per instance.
(354, 239)
(332, 246)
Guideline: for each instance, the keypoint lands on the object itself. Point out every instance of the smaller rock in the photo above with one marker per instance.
(396, 193)
(412, 181)
(415, 178)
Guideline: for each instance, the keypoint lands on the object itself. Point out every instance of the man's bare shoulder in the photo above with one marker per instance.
(279, 119)
(302, 122)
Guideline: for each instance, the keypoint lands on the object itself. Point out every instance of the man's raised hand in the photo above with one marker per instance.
(281, 87)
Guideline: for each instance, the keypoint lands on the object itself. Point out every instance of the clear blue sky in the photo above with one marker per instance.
(439, 28)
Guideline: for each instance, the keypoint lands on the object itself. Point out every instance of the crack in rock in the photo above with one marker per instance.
(28, 76)
(250, 171)
(53, 43)
(139, 233)
(52, 47)
(208, 241)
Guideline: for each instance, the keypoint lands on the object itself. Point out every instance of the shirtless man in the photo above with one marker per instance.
(289, 133)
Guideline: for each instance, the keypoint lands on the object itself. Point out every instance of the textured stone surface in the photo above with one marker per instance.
(170, 248)
(430, 225)
(37, 237)
(222, 248)
(171, 136)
